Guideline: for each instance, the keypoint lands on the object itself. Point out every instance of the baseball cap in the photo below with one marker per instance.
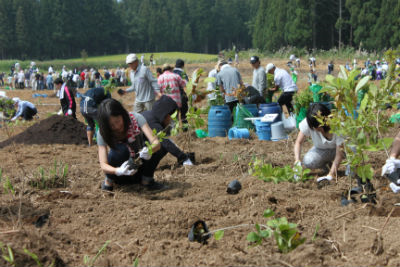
(269, 67)
(254, 59)
(15, 99)
(131, 58)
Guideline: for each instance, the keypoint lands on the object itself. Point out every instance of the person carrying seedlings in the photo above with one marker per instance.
(88, 106)
(143, 84)
(123, 133)
(171, 84)
(229, 80)
(159, 118)
(285, 82)
(393, 164)
(259, 76)
(26, 110)
(67, 98)
(327, 147)
(179, 65)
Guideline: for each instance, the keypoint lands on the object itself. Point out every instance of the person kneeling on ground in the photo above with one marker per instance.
(159, 119)
(89, 103)
(25, 109)
(123, 133)
(328, 147)
(392, 164)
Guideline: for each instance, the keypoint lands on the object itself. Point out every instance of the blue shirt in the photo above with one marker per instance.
(229, 77)
(22, 105)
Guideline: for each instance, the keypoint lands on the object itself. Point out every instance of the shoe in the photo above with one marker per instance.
(106, 187)
(155, 186)
(187, 162)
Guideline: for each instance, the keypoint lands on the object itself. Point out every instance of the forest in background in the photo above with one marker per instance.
(48, 29)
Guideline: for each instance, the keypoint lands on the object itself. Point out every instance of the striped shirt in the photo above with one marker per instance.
(170, 84)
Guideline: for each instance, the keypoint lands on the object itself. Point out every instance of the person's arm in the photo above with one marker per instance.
(263, 82)
(297, 147)
(105, 167)
(153, 82)
(336, 162)
(66, 89)
(131, 88)
(19, 112)
(395, 151)
(153, 140)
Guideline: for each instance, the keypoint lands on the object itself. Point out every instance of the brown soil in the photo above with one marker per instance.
(154, 226)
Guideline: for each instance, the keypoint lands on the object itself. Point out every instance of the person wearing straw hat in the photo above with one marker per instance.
(143, 84)
(25, 109)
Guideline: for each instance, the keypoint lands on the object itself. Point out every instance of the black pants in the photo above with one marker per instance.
(121, 154)
(28, 113)
(286, 99)
(232, 105)
(185, 107)
(174, 150)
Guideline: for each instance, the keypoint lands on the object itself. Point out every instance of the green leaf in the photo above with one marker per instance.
(253, 237)
(268, 213)
(362, 82)
(218, 235)
(209, 80)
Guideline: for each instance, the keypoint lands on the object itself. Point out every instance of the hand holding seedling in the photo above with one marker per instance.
(145, 153)
(123, 170)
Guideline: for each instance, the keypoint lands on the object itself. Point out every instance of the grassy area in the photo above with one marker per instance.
(110, 61)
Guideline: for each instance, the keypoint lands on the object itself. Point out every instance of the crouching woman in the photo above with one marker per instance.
(327, 150)
(123, 132)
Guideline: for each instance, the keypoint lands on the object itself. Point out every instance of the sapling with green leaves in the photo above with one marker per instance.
(362, 127)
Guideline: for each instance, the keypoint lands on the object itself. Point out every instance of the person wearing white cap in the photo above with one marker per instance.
(143, 84)
(25, 109)
(284, 81)
(229, 80)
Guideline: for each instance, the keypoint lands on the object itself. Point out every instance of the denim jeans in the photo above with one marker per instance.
(120, 154)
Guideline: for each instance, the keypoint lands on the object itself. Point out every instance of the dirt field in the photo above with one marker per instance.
(153, 227)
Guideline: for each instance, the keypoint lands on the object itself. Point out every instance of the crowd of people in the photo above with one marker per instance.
(121, 137)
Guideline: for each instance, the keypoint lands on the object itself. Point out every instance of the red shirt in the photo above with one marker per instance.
(170, 83)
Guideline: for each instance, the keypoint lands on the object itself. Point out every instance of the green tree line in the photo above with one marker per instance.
(47, 29)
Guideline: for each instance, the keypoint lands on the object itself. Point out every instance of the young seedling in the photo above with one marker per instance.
(88, 261)
(7, 254)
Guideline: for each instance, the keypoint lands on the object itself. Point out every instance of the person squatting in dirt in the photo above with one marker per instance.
(25, 110)
(159, 118)
(129, 160)
(89, 105)
(327, 147)
(392, 164)
(143, 84)
(67, 98)
(284, 81)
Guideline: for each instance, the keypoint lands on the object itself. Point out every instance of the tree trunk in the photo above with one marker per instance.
(340, 24)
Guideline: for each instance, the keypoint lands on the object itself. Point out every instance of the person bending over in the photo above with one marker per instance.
(25, 109)
(67, 98)
(123, 132)
(327, 147)
(159, 119)
(88, 106)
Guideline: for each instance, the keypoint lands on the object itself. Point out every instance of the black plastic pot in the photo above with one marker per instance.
(234, 187)
(198, 232)
(394, 176)
(192, 157)
(368, 198)
(344, 201)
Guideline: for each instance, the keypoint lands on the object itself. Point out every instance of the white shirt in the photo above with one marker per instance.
(51, 69)
(212, 85)
(21, 77)
(284, 80)
(318, 139)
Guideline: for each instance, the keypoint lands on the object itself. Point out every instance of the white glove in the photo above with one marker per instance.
(69, 112)
(124, 170)
(391, 165)
(144, 153)
(60, 112)
(328, 178)
(296, 177)
(394, 187)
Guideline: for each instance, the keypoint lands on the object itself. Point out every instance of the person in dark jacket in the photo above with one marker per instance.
(159, 119)
(67, 98)
(88, 106)
(179, 65)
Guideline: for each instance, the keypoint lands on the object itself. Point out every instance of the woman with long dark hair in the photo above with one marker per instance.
(124, 133)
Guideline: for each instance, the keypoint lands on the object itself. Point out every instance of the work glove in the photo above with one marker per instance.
(123, 170)
(144, 153)
(69, 112)
(391, 165)
(327, 177)
(296, 177)
(394, 187)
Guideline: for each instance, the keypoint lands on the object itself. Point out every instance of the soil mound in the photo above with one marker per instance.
(53, 130)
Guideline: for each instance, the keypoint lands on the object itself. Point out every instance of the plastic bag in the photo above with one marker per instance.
(289, 123)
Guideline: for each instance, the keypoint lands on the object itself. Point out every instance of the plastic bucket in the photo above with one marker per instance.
(219, 121)
(278, 131)
(238, 133)
(252, 108)
(271, 108)
(263, 130)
